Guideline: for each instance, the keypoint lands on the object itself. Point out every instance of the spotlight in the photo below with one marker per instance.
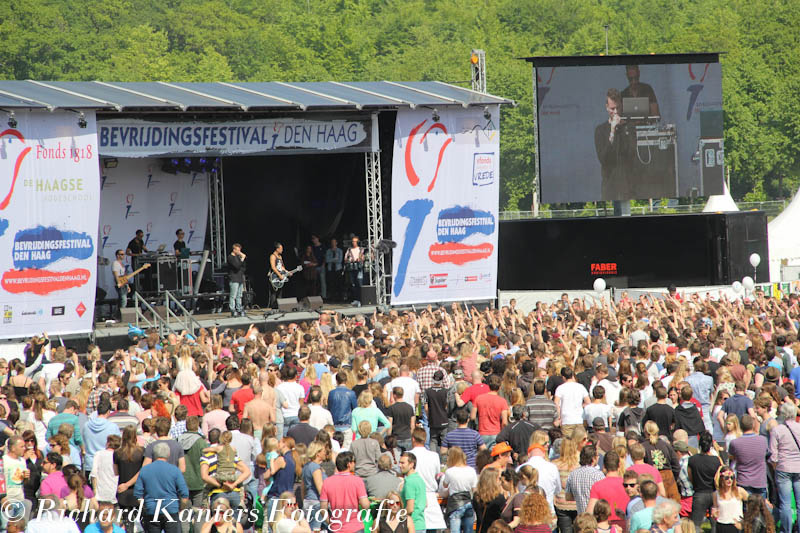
(486, 113)
(473, 58)
(12, 120)
(110, 162)
(82, 121)
(435, 115)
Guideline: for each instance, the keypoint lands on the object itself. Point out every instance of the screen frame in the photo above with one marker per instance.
(597, 61)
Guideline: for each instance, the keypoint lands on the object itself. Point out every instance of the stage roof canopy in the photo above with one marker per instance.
(157, 96)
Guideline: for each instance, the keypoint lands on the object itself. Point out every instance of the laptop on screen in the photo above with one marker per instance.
(636, 107)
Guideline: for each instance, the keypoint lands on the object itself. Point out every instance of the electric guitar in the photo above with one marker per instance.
(278, 283)
(123, 280)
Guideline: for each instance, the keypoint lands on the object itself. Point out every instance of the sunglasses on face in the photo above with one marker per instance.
(727, 476)
(629, 484)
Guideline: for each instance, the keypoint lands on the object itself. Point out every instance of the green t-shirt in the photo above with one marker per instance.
(414, 489)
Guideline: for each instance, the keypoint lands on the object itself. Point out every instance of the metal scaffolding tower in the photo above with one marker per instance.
(377, 271)
(477, 62)
(216, 217)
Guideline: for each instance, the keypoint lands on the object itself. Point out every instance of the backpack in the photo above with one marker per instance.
(226, 465)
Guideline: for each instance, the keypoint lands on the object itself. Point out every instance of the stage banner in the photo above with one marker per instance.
(445, 195)
(321, 133)
(137, 194)
(49, 204)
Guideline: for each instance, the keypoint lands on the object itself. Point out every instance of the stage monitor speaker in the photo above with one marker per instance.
(369, 295)
(128, 315)
(287, 304)
(312, 302)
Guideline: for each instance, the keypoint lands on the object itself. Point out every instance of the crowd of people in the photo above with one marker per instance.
(656, 414)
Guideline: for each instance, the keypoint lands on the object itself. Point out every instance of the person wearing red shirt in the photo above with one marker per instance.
(477, 388)
(342, 494)
(242, 396)
(612, 490)
(491, 410)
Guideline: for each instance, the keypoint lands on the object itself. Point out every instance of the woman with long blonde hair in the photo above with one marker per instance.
(326, 385)
(488, 499)
(460, 480)
(312, 479)
(660, 454)
(569, 460)
(83, 394)
(620, 445)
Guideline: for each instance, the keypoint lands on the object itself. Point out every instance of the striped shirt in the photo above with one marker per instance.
(541, 411)
(467, 439)
(210, 459)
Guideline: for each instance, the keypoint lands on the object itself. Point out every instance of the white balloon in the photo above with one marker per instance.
(737, 287)
(755, 260)
(748, 283)
(599, 284)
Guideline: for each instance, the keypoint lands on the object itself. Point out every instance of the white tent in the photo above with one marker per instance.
(784, 239)
(720, 202)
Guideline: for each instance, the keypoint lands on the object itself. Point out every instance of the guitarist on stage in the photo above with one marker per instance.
(276, 267)
(118, 269)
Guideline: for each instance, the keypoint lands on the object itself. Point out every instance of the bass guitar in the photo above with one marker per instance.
(278, 283)
(123, 280)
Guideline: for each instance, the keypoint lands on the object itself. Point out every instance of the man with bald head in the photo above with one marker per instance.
(477, 388)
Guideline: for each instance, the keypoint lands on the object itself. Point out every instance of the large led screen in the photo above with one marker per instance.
(628, 127)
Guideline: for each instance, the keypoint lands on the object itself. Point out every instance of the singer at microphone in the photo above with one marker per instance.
(614, 150)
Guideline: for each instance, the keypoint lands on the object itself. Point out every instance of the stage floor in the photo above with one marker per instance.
(110, 332)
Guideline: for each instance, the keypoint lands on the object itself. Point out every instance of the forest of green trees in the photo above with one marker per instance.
(319, 40)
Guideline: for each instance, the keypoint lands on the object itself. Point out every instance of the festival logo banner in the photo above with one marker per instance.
(140, 195)
(49, 209)
(445, 197)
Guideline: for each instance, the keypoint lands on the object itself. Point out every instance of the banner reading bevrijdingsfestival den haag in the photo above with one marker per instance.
(49, 209)
(445, 198)
(143, 138)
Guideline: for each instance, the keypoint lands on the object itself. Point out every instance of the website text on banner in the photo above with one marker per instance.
(445, 198)
(49, 207)
(138, 195)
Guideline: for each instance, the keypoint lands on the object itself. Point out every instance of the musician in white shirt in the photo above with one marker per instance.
(118, 269)
(353, 266)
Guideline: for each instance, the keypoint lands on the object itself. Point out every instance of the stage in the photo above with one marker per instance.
(111, 335)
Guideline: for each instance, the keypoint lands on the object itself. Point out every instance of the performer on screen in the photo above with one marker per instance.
(118, 268)
(354, 268)
(136, 245)
(637, 89)
(236, 268)
(277, 269)
(613, 143)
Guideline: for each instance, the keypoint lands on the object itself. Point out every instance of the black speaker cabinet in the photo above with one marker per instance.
(313, 303)
(287, 304)
(636, 251)
(368, 295)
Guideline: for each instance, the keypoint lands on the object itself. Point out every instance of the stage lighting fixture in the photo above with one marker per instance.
(486, 113)
(169, 166)
(110, 162)
(82, 121)
(473, 58)
(435, 115)
(12, 120)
